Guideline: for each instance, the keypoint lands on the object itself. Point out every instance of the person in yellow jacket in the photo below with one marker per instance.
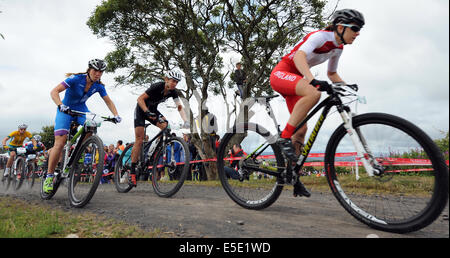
(17, 138)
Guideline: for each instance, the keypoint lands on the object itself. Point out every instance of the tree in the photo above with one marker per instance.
(262, 30)
(48, 136)
(443, 144)
(152, 37)
(155, 36)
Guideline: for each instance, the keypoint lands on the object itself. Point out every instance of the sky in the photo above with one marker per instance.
(400, 62)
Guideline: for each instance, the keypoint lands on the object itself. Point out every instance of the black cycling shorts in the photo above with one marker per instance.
(140, 117)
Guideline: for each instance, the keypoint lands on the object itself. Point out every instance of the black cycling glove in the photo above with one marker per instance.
(321, 85)
(150, 115)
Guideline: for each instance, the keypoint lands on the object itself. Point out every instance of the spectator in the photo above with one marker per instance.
(235, 152)
(178, 157)
(239, 77)
(119, 148)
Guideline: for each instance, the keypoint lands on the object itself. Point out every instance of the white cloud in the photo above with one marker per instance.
(400, 62)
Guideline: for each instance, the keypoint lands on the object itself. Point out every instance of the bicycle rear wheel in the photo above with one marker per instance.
(412, 189)
(171, 162)
(245, 186)
(30, 175)
(86, 172)
(122, 170)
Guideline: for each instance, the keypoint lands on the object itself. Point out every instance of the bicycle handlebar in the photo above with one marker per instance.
(71, 112)
(340, 89)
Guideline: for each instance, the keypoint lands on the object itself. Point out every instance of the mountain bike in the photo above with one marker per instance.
(25, 168)
(397, 180)
(16, 173)
(82, 161)
(165, 157)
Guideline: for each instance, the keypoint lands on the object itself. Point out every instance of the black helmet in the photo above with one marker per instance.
(348, 16)
(97, 64)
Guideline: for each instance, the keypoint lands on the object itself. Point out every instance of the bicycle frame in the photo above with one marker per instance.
(326, 105)
(146, 145)
(81, 134)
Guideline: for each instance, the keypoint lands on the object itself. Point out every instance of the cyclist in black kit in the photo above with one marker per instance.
(147, 109)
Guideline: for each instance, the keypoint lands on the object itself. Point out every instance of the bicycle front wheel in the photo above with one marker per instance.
(122, 170)
(170, 167)
(86, 172)
(410, 187)
(244, 184)
(19, 173)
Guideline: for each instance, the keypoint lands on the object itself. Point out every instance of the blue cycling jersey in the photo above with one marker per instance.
(75, 97)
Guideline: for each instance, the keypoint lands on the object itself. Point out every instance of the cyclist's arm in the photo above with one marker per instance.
(5, 140)
(55, 94)
(110, 105)
(334, 77)
(301, 63)
(34, 143)
(141, 101)
(332, 68)
(181, 110)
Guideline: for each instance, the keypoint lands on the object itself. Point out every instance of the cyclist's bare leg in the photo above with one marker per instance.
(53, 159)
(310, 97)
(162, 126)
(298, 139)
(139, 139)
(12, 156)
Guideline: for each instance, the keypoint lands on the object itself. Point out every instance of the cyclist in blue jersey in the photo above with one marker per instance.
(78, 88)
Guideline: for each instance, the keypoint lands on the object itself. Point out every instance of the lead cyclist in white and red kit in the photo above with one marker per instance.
(292, 77)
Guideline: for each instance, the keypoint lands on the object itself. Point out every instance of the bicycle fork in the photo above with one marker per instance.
(362, 149)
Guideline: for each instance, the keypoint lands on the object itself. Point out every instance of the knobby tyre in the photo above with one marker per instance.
(20, 175)
(122, 170)
(170, 167)
(250, 189)
(6, 180)
(406, 197)
(30, 175)
(86, 172)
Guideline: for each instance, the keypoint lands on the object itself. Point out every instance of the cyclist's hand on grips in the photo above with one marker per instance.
(186, 125)
(117, 119)
(150, 115)
(321, 85)
(5, 147)
(63, 108)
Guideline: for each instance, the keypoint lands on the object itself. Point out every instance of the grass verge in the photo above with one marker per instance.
(20, 219)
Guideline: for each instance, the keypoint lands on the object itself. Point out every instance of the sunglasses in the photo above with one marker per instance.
(352, 27)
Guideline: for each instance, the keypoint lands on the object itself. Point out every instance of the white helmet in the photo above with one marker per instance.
(174, 74)
(23, 126)
(37, 137)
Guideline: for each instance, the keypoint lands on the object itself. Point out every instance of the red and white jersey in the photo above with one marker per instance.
(319, 47)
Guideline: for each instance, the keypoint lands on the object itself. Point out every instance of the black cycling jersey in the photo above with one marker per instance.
(156, 96)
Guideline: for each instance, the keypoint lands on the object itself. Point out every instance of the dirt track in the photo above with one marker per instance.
(197, 211)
